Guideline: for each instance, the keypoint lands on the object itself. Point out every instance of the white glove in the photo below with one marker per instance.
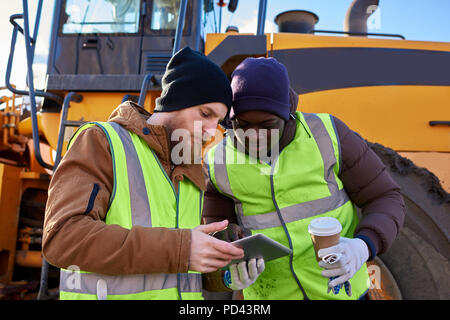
(243, 275)
(351, 253)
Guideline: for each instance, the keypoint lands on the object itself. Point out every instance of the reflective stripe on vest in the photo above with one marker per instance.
(138, 188)
(140, 208)
(282, 203)
(86, 283)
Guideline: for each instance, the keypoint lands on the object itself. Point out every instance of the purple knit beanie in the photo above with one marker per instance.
(260, 84)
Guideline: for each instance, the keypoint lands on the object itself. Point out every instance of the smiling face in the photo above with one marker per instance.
(258, 131)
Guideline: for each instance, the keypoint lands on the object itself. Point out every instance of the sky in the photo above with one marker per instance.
(424, 20)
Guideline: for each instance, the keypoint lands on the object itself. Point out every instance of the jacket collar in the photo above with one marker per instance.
(134, 118)
(291, 125)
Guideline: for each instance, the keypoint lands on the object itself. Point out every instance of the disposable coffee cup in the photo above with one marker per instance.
(325, 232)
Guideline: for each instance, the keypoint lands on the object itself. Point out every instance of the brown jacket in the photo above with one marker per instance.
(79, 192)
(365, 179)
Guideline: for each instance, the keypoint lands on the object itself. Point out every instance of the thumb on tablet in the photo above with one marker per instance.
(212, 227)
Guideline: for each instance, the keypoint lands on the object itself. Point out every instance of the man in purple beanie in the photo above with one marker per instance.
(297, 167)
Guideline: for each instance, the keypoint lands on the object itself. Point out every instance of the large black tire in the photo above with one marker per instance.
(419, 257)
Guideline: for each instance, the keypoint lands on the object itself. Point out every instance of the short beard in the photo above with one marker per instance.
(178, 146)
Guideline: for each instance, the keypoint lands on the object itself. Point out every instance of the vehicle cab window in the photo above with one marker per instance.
(101, 16)
(165, 14)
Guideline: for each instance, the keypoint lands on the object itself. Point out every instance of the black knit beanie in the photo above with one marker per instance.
(192, 79)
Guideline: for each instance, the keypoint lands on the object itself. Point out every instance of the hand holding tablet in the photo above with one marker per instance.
(258, 249)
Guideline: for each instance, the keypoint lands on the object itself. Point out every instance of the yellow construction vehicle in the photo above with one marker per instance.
(394, 92)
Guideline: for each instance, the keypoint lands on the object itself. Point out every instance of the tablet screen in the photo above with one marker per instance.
(259, 245)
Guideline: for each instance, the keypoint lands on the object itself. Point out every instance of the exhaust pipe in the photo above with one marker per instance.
(297, 21)
(357, 15)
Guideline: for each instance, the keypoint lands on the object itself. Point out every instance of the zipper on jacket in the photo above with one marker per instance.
(177, 195)
(291, 256)
(177, 225)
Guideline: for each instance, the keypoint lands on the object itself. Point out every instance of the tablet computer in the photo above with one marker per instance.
(260, 246)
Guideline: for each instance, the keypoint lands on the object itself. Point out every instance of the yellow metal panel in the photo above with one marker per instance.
(395, 116)
(25, 126)
(296, 40)
(49, 126)
(96, 106)
(10, 193)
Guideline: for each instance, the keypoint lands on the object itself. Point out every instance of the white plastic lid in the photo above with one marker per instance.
(324, 226)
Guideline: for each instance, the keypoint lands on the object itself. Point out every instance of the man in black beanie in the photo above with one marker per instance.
(111, 211)
(194, 89)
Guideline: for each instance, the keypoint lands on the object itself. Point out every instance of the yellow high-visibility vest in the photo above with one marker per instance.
(280, 198)
(142, 195)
